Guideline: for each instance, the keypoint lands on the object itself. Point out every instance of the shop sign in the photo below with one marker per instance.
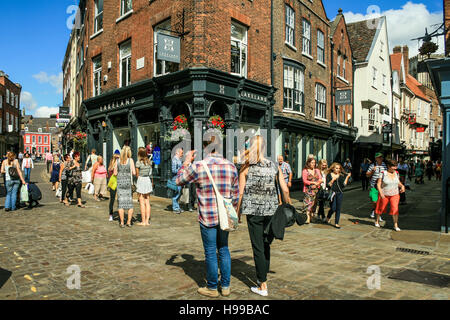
(420, 129)
(343, 97)
(64, 111)
(387, 128)
(252, 96)
(168, 48)
(118, 104)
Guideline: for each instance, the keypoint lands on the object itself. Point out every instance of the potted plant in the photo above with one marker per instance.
(216, 125)
(179, 129)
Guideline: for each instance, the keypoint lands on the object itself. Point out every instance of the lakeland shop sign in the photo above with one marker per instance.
(117, 104)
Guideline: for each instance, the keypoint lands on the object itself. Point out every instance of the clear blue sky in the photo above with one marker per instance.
(34, 37)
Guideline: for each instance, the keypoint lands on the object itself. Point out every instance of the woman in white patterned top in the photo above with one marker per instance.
(388, 185)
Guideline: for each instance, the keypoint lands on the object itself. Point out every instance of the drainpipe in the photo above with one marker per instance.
(333, 89)
(271, 43)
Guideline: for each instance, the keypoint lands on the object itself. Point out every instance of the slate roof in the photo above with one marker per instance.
(361, 39)
(37, 123)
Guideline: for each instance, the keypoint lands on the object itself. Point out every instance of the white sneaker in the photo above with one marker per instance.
(381, 220)
(372, 215)
(111, 218)
(397, 229)
(377, 225)
(257, 290)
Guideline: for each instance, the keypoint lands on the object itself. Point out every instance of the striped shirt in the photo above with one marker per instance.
(225, 176)
(378, 170)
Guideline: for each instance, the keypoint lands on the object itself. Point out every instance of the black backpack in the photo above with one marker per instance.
(34, 192)
(13, 173)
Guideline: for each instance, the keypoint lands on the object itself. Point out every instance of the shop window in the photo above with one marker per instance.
(162, 67)
(238, 49)
(121, 137)
(125, 64)
(293, 86)
(97, 76)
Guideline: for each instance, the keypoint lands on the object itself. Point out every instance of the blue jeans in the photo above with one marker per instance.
(175, 204)
(336, 206)
(12, 187)
(27, 177)
(214, 239)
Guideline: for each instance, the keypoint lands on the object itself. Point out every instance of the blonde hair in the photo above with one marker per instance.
(125, 154)
(142, 156)
(323, 161)
(334, 165)
(55, 158)
(11, 157)
(255, 154)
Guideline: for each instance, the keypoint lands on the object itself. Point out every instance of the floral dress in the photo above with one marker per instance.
(311, 194)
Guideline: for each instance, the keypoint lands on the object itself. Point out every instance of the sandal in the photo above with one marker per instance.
(128, 225)
(81, 206)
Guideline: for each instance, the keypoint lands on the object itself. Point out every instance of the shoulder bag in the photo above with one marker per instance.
(228, 218)
(13, 173)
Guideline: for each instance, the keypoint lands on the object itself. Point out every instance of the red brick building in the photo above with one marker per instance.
(9, 114)
(37, 138)
(133, 81)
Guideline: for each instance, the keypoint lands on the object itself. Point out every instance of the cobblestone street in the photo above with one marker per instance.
(166, 261)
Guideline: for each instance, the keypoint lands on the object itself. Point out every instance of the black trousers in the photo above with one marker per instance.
(364, 181)
(260, 245)
(112, 199)
(63, 189)
(321, 212)
(76, 187)
(192, 196)
(49, 164)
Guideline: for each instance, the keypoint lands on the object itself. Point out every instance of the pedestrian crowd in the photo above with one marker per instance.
(223, 191)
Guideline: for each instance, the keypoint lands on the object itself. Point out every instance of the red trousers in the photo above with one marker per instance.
(382, 204)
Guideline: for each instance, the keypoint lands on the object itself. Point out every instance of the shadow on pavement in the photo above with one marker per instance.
(191, 267)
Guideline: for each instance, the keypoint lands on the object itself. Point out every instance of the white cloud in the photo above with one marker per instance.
(27, 101)
(45, 112)
(405, 24)
(54, 80)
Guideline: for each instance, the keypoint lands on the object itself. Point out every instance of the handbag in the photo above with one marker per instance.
(90, 187)
(292, 216)
(112, 184)
(172, 185)
(228, 218)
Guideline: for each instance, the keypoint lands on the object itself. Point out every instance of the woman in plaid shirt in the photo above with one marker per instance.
(214, 239)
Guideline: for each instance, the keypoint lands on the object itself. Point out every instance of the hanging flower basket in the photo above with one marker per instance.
(79, 140)
(216, 125)
(179, 129)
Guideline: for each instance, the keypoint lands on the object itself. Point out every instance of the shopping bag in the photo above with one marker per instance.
(24, 194)
(112, 184)
(185, 196)
(59, 192)
(90, 188)
(87, 176)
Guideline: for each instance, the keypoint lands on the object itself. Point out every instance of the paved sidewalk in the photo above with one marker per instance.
(166, 261)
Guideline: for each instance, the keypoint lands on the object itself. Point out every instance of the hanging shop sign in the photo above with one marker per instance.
(343, 97)
(118, 104)
(168, 48)
(420, 129)
(387, 128)
(412, 119)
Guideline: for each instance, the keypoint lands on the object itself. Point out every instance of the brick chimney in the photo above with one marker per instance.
(405, 51)
(398, 49)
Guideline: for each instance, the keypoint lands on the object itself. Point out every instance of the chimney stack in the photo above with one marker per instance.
(405, 51)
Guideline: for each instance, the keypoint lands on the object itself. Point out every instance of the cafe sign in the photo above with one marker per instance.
(117, 104)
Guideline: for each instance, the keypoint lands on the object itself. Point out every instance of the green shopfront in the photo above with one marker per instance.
(142, 114)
